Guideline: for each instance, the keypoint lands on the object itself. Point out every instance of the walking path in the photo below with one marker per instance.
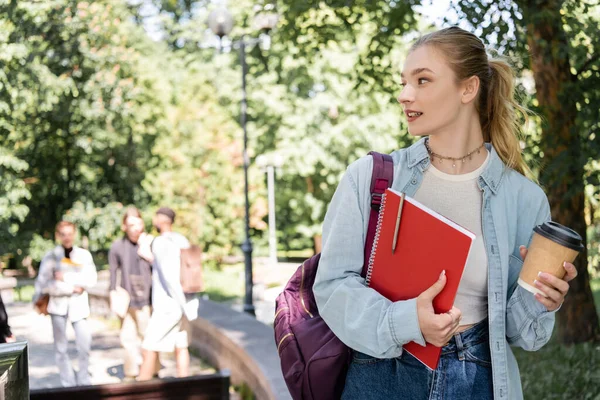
(106, 365)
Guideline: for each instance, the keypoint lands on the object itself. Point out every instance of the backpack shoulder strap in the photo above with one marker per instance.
(381, 179)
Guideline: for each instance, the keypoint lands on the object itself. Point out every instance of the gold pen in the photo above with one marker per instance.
(395, 242)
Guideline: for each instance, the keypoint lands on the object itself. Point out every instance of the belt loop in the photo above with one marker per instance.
(460, 349)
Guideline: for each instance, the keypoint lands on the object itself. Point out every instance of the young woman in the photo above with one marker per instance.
(468, 167)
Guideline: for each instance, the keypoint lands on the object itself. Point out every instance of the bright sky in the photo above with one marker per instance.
(435, 13)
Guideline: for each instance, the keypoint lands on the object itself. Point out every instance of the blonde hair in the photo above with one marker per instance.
(499, 112)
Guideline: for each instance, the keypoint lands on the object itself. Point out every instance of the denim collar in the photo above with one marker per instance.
(491, 176)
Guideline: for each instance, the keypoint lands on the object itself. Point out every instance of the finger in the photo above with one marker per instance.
(436, 288)
(458, 321)
(523, 252)
(452, 320)
(554, 282)
(451, 329)
(549, 304)
(451, 334)
(571, 271)
(456, 313)
(551, 293)
(454, 328)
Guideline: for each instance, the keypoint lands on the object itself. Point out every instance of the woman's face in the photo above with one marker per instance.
(430, 97)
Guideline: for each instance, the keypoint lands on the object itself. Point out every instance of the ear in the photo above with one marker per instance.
(470, 89)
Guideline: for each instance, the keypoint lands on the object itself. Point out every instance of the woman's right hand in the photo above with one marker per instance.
(437, 329)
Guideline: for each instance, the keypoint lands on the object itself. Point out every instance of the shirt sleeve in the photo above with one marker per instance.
(359, 316)
(44, 276)
(529, 324)
(113, 262)
(45, 282)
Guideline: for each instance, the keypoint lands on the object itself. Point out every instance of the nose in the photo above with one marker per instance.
(406, 95)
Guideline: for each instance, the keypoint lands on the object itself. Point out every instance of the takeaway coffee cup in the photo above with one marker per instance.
(551, 246)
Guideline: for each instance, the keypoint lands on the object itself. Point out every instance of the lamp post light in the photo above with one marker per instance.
(269, 166)
(220, 22)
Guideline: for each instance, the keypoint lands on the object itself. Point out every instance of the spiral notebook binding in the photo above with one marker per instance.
(375, 240)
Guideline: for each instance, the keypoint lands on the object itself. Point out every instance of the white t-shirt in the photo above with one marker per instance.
(459, 198)
(167, 294)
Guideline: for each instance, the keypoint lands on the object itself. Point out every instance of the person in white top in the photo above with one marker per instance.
(165, 332)
(66, 272)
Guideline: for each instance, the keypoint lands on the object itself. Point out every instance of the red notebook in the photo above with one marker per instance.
(427, 243)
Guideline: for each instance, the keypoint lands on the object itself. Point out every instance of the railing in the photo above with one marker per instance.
(14, 371)
(199, 387)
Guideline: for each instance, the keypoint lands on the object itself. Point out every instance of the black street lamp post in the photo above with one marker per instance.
(221, 23)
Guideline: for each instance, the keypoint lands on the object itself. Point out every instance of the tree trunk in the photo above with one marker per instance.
(563, 163)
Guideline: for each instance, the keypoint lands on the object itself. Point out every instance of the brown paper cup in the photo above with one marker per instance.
(546, 256)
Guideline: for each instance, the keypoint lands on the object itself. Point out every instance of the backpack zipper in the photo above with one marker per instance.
(282, 339)
(302, 290)
(278, 311)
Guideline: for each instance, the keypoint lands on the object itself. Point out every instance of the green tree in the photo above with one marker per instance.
(303, 94)
(560, 44)
(79, 102)
(200, 173)
(13, 193)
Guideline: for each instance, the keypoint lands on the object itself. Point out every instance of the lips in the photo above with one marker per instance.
(412, 115)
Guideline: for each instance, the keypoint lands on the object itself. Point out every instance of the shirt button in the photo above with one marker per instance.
(414, 181)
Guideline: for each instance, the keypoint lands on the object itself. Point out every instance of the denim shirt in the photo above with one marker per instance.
(367, 322)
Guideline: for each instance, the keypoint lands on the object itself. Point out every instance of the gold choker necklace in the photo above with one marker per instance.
(453, 159)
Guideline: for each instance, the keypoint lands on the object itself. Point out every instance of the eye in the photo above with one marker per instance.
(402, 84)
(422, 80)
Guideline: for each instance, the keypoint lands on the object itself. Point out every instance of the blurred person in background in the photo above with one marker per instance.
(165, 332)
(131, 298)
(6, 335)
(66, 272)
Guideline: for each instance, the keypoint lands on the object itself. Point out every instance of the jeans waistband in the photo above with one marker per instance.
(474, 335)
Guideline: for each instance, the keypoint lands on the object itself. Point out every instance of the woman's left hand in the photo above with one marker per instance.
(554, 288)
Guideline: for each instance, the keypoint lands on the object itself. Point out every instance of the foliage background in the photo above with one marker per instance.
(113, 102)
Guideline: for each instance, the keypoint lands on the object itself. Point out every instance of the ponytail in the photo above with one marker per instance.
(502, 116)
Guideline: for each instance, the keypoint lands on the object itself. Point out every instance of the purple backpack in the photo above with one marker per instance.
(314, 361)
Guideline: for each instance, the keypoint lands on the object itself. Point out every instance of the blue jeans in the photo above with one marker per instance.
(464, 372)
